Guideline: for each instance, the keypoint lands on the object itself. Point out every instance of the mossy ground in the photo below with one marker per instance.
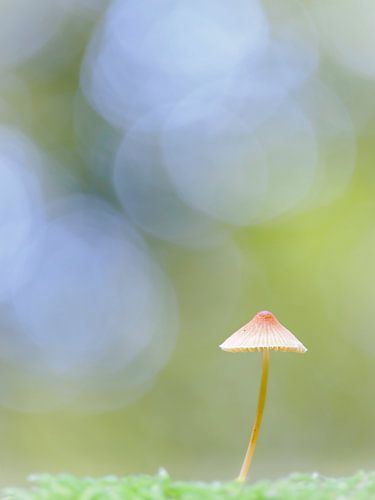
(162, 487)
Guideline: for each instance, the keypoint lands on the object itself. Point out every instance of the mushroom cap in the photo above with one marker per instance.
(263, 332)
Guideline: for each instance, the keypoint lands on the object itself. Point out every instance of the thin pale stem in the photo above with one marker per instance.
(258, 419)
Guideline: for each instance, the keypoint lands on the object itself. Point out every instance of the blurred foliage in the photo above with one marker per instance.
(360, 486)
(312, 264)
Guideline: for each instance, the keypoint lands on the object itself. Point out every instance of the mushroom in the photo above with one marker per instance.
(263, 333)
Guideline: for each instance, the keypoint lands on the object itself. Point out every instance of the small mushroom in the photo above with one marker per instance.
(263, 333)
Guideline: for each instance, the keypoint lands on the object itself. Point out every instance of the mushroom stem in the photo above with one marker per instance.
(258, 419)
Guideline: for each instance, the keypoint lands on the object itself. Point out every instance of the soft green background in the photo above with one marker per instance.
(315, 271)
(314, 268)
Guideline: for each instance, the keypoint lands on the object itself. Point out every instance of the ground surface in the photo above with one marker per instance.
(162, 487)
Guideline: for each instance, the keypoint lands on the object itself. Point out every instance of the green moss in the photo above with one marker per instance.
(162, 487)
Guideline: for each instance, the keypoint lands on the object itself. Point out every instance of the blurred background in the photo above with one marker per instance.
(167, 169)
